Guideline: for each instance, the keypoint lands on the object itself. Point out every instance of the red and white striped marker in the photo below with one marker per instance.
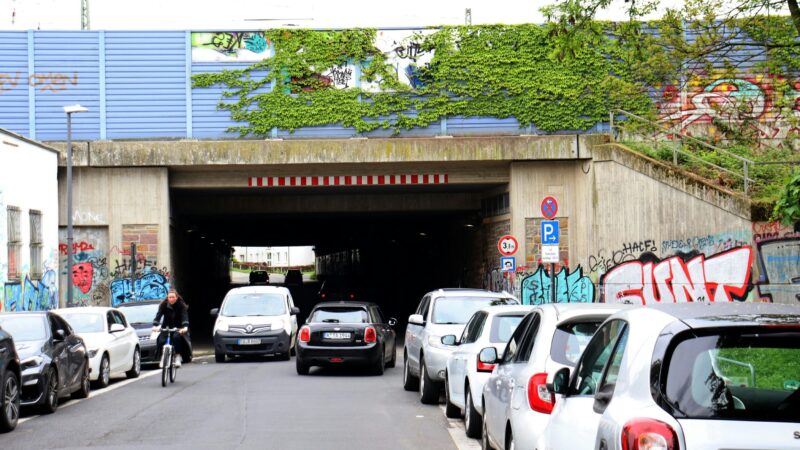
(349, 180)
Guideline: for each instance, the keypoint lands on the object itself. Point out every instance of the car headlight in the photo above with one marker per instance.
(278, 325)
(222, 325)
(92, 353)
(436, 341)
(33, 361)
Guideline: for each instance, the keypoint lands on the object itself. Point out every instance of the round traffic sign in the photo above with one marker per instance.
(507, 245)
(549, 207)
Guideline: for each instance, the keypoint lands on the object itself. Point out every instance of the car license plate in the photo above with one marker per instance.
(329, 335)
(249, 341)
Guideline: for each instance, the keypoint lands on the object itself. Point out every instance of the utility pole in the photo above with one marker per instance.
(467, 16)
(84, 14)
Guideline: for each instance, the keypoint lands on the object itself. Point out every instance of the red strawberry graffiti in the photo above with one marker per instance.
(82, 276)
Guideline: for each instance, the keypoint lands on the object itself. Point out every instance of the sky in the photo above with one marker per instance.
(260, 14)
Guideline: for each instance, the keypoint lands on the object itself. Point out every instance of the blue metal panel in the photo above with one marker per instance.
(31, 90)
(103, 106)
(67, 70)
(320, 132)
(145, 84)
(468, 126)
(14, 82)
(188, 67)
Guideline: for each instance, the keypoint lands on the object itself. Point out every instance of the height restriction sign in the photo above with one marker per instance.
(507, 245)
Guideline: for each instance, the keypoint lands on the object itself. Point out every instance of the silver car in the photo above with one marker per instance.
(515, 399)
(697, 376)
(441, 312)
(465, 373)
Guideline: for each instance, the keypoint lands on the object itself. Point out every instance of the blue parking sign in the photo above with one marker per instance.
(550, 232)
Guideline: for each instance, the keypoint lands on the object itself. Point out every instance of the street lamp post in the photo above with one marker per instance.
(69, 110)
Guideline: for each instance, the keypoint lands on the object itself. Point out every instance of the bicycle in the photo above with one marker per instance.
(168, 369)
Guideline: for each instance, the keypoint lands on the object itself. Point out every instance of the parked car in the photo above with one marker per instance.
(336, 288)
(140, 315)
(112, 344)
(516, 405)
(255, 320)
(465, 373)
(259, 277)
(351, 333)
(53, 359)
(694, 376)
(9, 383)
(294, 277)
(440, 312)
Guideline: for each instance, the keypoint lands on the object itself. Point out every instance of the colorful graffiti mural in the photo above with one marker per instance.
(745, 100)
(682, 278)
(230, 46)
(570, 287)
(148, 285)
(30, 295)
(89, 277)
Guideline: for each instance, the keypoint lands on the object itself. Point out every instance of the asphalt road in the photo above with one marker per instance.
(259, 403)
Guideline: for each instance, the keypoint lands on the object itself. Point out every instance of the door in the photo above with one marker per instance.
(414, 335)
(127, 342)
(292, 318)
(574, 422)
(461, 357)
(60, 353)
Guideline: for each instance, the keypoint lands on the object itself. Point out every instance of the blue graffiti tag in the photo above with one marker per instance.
(30, 295)
(571, 287)
(151, 286)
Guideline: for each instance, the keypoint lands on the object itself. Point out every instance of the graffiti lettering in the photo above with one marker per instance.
(31, 295)
(77, 247)
(340, 76)
(721, 277)
(230, 46)
(10, 80)
(150, 286)
(411, 50)
(779, 260)
(53, 82)
(571, 287)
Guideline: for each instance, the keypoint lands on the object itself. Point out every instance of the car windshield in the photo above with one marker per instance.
(24, 328)
(254, 304)
(570, 339)
(503, 327)
(85, 322)
(136, 314)
(458, 310)
(339, 315)
(734, 374)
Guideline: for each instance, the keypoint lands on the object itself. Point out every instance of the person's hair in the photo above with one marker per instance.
(178, 295)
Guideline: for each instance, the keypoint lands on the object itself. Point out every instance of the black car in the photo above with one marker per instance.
(336, 288)
(53, 359)
(259, 277)
(9, 383)
(294, 277)
(140, 316)
(353, 333)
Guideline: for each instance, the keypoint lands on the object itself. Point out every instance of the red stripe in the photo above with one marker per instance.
(382, 179)
(302, 181)
(414, 179)
(259, 181)
(250, 181)
(425, 178)
(347, 180)
(282, 181)
(445, 178)
(271, 181)
(315, 181)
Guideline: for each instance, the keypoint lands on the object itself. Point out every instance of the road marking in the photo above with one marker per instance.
(93, 393)
(459, 434)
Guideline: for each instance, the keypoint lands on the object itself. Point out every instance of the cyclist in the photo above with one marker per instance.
(173, 312)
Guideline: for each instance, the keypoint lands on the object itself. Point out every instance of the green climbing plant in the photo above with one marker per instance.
(787, 208)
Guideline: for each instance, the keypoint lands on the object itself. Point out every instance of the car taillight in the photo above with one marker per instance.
(539, 398)
(322, 295)
(648, 434)
(305, 334)
(483, 367)
(352, 296)
(370, 335)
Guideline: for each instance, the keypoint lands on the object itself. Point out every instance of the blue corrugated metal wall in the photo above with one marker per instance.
(14, 82)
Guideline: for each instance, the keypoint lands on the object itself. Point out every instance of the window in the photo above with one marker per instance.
(36, 244)
(14, 242)
(336, 314)
(599, 351)
(513, 344)
(120, 319)
(527, 340)
(473, 329)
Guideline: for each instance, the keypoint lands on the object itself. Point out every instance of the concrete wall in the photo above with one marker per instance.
(28, 182)
(113, 207)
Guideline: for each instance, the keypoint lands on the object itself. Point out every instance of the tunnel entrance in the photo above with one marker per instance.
(397, 252)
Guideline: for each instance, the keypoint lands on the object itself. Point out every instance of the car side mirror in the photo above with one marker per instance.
(392, 321)
(603, 397)
(116, 328)
(560, 382)
(295, 310)
(416, 319)
(488, 355)
(59, 336)
(215, 312)
(450, 339)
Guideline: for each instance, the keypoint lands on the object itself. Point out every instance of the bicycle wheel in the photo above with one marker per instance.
(165, 364)
(173, 371)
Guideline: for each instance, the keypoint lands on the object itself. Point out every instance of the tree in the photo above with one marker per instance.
(787, 208)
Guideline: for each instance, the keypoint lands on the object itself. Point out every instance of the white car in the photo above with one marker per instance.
(465, 374)
(697, 376)
(111, 343)
(441, 312)
(552, 336)
(255, 320)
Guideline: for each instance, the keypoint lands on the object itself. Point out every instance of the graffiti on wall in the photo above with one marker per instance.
(43, 82)
(229, 46)
(734, 100)
(570, 287)
(31, 295)
(778, 261)
(682, 278)
(148, 284)
(89, 277)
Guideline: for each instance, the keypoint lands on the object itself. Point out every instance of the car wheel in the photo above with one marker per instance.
(293, 349)
(450, 410)
(136, 367)
(219, 357)
(510, 440)
(85, 388)
(485, 445)
(380, 364)
(392, 362)
(428, 393)
(9, 402)
(472, 420)
(302, 368)
(104, 377)
(284, 356)
(50, 392)
(410, 382)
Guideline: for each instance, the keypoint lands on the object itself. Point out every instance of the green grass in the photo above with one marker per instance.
(774, 367)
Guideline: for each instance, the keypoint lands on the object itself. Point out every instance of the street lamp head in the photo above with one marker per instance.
(75, 109)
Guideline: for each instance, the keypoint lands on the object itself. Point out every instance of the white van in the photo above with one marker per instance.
(255, 320)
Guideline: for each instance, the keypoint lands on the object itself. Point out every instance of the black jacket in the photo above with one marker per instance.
(172, 316)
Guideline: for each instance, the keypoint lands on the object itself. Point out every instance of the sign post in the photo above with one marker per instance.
(550, 240)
